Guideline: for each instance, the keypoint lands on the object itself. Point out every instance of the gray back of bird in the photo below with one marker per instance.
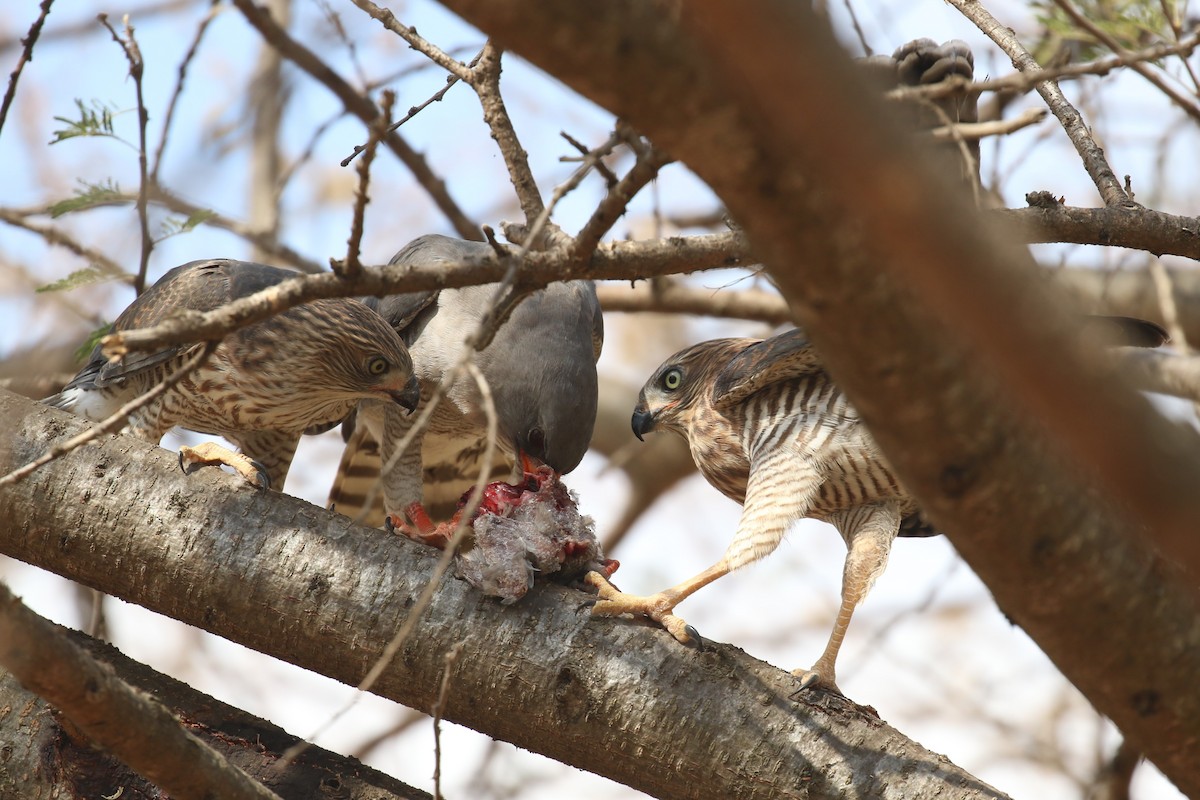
(540, 368)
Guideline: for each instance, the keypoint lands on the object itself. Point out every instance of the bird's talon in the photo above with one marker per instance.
(262, 478)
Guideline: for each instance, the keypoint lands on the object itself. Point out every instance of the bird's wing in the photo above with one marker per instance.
(783, 357)
(196, 286)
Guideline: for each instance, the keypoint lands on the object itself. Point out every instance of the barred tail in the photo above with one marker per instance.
(357, 475)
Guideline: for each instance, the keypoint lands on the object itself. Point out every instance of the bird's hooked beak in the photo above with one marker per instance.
(643, 422)
(408, 397)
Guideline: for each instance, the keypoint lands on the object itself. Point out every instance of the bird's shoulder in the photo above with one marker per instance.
(784, 357)
(196, 286)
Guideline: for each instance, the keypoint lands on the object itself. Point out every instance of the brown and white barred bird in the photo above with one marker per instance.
(263, 386)
(768, 428)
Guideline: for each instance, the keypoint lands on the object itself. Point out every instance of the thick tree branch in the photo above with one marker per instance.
(127, 723)
(1129, 225)
(841, 255)
(44, 758)
(619, 260)
(619, 698)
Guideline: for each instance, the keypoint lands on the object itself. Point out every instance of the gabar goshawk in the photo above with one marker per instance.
(769, 429)
(263, 386)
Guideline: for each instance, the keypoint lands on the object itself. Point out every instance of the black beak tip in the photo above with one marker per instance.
(410, 397)
(642, 423)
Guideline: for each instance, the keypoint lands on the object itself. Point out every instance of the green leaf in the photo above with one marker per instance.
(96, 120)
(89, 195)
(81, 277)
(92, 340)
(173, 226)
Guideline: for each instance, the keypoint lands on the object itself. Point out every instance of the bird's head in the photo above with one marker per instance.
(366, 358)
(669, 397)
(544, 379)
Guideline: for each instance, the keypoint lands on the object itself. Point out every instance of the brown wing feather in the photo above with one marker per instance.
(195, 286)
(782, 357)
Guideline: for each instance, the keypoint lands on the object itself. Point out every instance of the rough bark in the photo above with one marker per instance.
(881, 251)
(42, 757)
(618, 698)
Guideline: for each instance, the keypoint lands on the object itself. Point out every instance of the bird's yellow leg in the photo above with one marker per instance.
(613, 602)
(869, 532)
(209, 453)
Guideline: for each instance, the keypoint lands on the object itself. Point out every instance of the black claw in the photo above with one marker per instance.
(808, 681)
(263, 479)
(388, 525)
(183, 467)
(695, 640)
(586, 603)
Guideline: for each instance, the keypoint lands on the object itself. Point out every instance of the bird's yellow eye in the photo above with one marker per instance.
(672, 378)
(377, 365)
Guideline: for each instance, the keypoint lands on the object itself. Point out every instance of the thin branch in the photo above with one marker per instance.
(113, 423)
(436, 97)
(1139, 67)
(181, 79)
(980, 130)
(130, 724)
(1020, 82)
(485, 80)
(27, 43)
(379, 128)
(423, 46)
(443, 691)
(1132, 226)
(673, 297)
(57, 236)
(137, 68)
(362, 108)
(645, 169)
(1093, 157)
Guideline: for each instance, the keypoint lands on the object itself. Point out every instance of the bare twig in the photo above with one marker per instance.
(485, 80)
(1093, 157)
(115, 422)
(137, 68)
(443, 692)
(423, 46)
(379, 128)
(610, 179)
(188, 57)
(1000, 127)
(59, 237)
(414, 110)
(35, 30)
(673, 297)
(361, 107)
(645, 169)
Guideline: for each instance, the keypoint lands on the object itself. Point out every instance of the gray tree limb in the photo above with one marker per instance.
(618, 698)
